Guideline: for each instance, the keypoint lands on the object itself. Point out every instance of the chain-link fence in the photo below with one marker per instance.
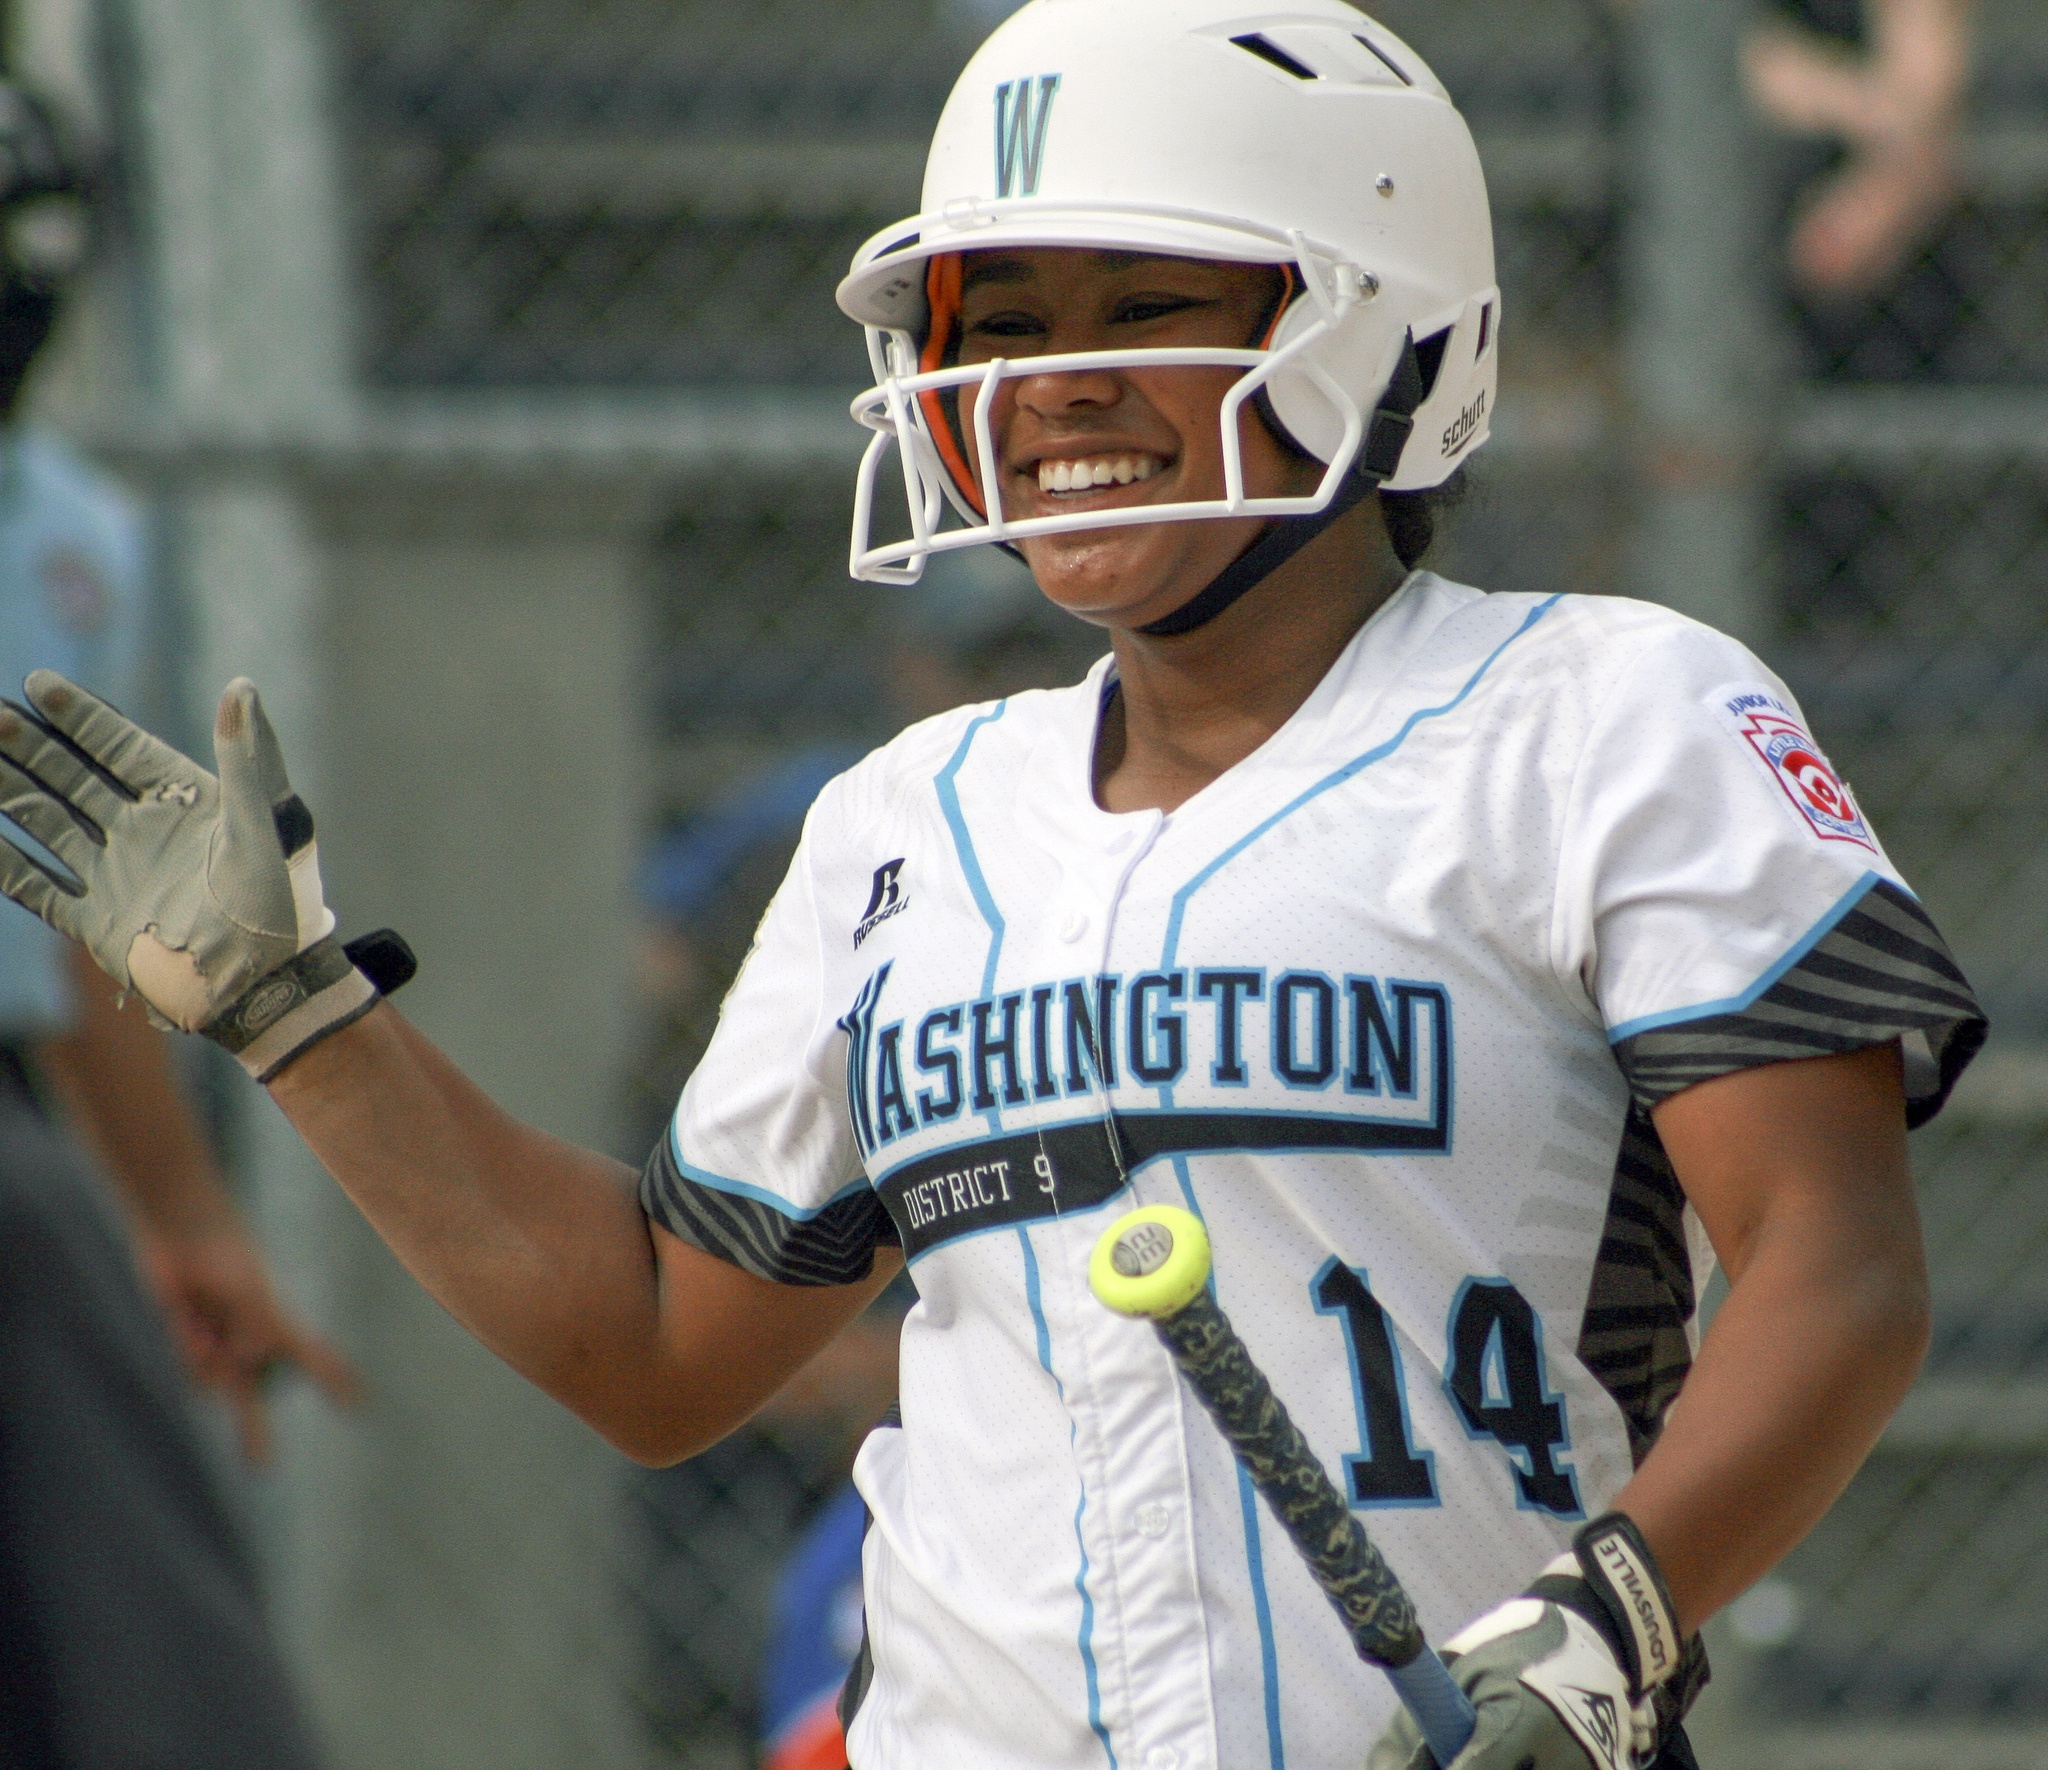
(613, 194)
(627, 192)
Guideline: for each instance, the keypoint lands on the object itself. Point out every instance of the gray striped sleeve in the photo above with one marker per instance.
(1882, 971)
(835, 1247)
(1633, 1337)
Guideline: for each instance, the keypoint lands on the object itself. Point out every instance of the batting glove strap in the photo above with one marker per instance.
(293, 1008)
(1612, 1580)
(1666, 1703)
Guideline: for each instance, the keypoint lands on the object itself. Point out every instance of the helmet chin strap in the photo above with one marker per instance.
(1283, 538)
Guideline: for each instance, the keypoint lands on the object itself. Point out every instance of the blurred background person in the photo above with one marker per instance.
(819, 1626)
(1885, 258)
(1883, 82)
(132, 1634)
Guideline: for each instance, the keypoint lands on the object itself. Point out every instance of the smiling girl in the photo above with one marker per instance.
(1480, 967)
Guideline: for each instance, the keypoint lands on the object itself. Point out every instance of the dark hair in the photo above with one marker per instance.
(1411, 517)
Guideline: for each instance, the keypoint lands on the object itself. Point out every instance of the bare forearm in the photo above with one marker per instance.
(541, 1249)
(114, 1075)
(1799, 1172)
(1794, 1383)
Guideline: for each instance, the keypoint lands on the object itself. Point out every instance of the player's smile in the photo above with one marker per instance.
(1089, 474)
(1075, 477)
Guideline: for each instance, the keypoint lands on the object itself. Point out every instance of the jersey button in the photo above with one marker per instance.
(1073, 925)
(1162, 1757)
(1152, 1521)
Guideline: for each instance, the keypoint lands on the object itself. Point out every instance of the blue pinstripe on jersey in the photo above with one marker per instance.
(1337, 778)
(758, 1194)
(945, 783)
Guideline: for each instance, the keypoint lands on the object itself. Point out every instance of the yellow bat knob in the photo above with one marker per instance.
(1153, 1262)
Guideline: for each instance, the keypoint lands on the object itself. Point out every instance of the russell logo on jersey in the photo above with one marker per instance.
(885, 900)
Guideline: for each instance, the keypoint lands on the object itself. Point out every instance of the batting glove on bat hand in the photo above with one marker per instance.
(200, 895)
(1563, 1677)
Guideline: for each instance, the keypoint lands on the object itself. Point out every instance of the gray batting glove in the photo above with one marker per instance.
(200, 895)
(1549, 1695)
(1569, 1675)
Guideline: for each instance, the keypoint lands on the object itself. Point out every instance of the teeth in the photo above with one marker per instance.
(1099, 470)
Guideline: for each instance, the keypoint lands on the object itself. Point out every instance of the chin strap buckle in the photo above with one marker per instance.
(1394, 422)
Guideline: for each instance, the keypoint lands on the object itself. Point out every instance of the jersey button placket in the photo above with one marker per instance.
(1152, 1575)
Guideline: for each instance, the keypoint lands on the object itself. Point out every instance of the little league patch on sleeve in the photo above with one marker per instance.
(1781, 744)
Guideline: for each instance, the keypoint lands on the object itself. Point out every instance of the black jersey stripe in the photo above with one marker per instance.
(1026, 1176)
(835, 1247)
(1880, 972)
(1633, 1335)
(1661, 1236)
(996, 1181)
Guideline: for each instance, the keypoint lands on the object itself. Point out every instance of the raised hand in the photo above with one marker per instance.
(200, 894)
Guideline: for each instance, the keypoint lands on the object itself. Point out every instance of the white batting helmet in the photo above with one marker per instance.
(1309, 137)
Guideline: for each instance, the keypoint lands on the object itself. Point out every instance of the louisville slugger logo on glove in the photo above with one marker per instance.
(1549, 1694)
(1565, 1677)
(200, 894)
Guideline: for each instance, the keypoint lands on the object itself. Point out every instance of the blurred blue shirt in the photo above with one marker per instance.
(817, 1631)
(71, 600)
(685, 871)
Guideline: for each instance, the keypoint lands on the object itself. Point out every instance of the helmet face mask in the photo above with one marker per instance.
(1180, 128)
(906, 402)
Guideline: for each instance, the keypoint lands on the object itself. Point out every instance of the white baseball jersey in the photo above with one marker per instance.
(1386, 1004)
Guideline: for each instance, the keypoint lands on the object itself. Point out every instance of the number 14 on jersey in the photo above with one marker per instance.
(1493, 1376)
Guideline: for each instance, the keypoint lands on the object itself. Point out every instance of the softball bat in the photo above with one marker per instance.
(1155, 1263)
